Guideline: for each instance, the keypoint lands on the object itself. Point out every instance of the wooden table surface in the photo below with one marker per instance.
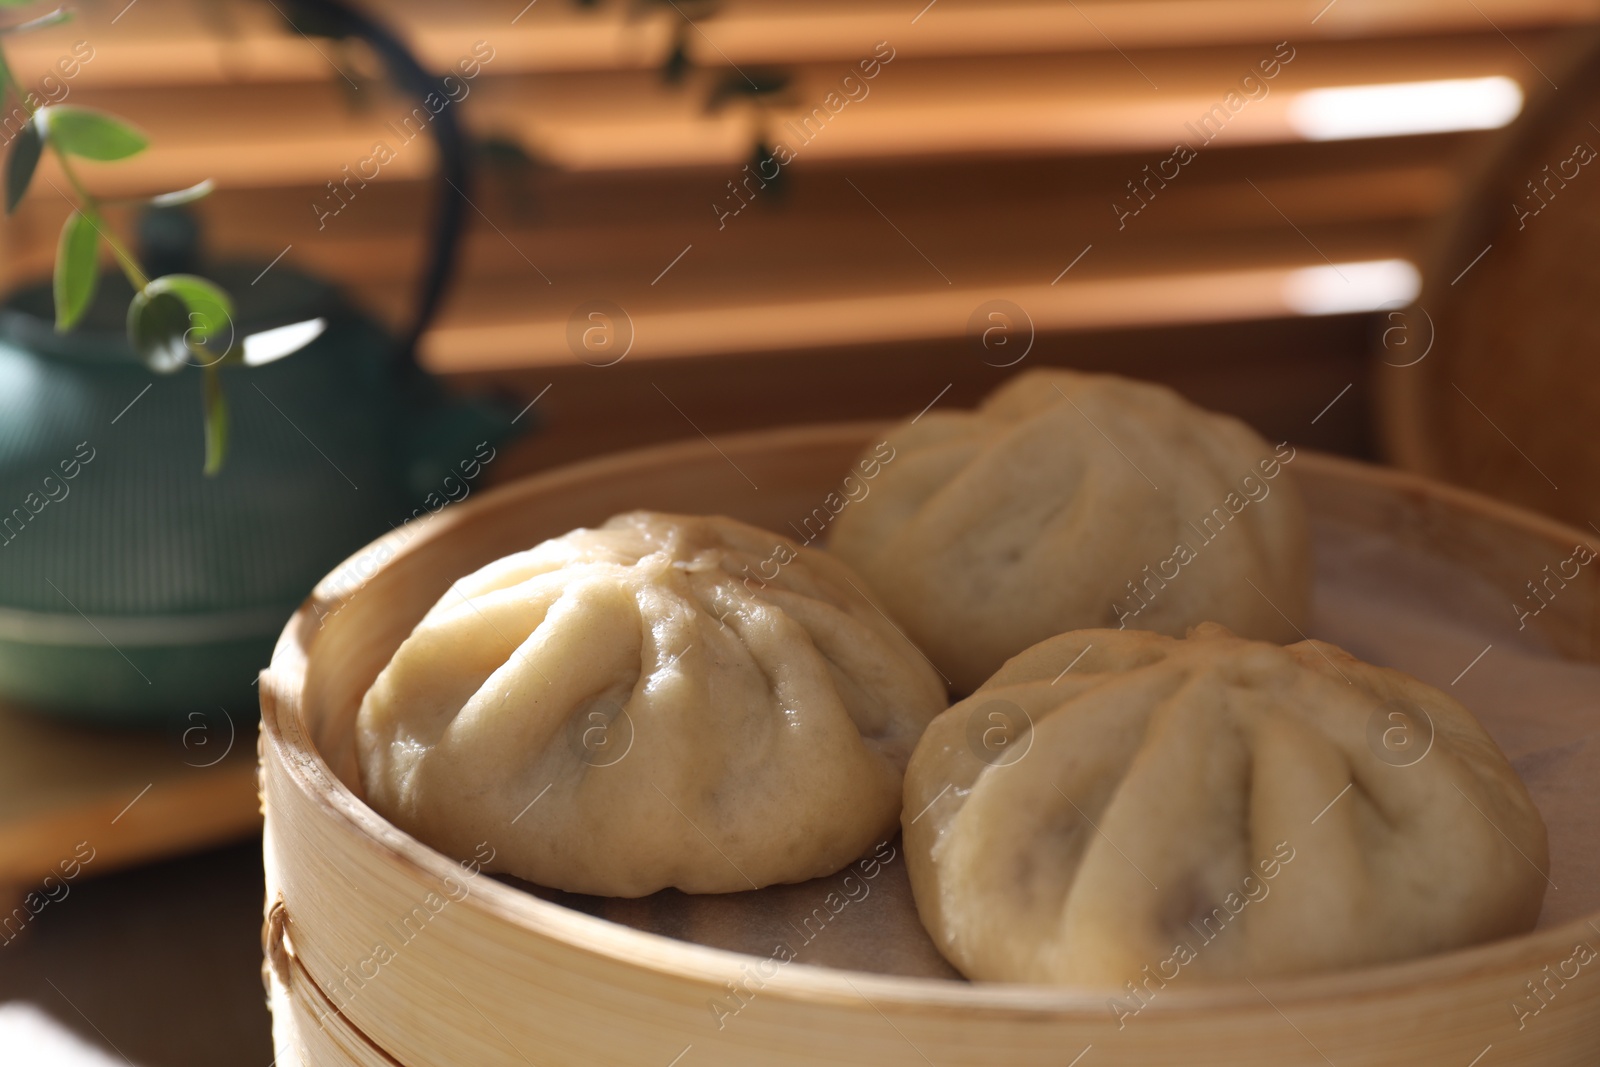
(160, 965)
(108, 954)
(79, 800)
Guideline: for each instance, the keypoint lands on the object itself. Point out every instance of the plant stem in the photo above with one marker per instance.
(91, 210)
(87, 204)
(214, 409)
(7, 81)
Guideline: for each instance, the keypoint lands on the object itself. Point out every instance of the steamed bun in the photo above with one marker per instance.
(1071, 500)
(1207, 809)
(629, 708)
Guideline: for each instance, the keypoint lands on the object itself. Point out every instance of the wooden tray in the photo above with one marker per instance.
(126, 796)
(502, 977)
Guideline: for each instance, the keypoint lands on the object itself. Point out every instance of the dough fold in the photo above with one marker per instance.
(1070, 500)
(1116, 805)
(639, 706)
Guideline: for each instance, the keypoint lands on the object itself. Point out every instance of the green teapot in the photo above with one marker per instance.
(133, 589)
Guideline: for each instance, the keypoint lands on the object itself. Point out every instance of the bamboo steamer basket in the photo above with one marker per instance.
(502, 977)
(1488, 379)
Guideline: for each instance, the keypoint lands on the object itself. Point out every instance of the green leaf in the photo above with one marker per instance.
(77, 269)
(216, 415)
(158, 325)
(184, 196)
(53, 18)
(20, 163)
(81, 131)
(210, 309)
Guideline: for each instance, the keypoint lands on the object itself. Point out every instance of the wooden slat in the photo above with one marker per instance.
(1094, 104)
(1142, 300)
(196, 42)
(244, 137)
(987, 156)
(1277, 374)
(597, 234)
(808, 271)
(780, 33)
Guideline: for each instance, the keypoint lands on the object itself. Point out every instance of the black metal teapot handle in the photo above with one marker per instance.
(454, 175)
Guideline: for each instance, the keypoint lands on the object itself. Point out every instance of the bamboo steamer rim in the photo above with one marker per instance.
(1409, 433)
(285, 738)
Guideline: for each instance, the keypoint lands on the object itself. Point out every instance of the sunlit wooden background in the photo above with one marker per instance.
(981, 163)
